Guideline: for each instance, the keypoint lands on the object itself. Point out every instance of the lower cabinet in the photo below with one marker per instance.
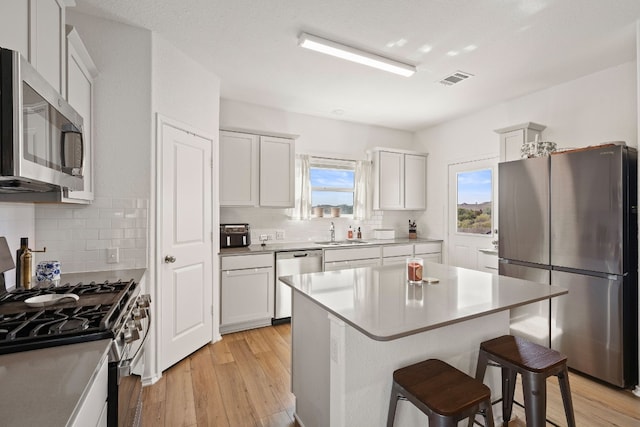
(247, 292)
(430, 252)
(92, 410)
(396, 254)
(338, 259)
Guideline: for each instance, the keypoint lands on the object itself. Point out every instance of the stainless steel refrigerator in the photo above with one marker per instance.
(570, 219)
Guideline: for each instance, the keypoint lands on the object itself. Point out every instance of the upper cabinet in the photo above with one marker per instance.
(400, 180)
(256, 170)
(81, 72)
(36, 28)
(512, 138)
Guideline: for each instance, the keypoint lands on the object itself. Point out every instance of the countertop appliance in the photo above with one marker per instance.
(570, 220)
(234, 235)
(41, 144)
(109, 310)
(288, 264)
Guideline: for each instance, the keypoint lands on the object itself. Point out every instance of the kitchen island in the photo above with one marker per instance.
(352, 328)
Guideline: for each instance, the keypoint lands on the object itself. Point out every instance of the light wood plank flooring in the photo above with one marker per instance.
(244, 379)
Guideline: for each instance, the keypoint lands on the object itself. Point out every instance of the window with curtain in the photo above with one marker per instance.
(327, 183)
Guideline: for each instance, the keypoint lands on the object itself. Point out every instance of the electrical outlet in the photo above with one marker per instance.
(113, 255)
(279, 234)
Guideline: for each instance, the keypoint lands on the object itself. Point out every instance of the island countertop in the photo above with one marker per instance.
(380, 303)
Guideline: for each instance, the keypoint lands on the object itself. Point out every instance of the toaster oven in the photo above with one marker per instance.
(234, 235)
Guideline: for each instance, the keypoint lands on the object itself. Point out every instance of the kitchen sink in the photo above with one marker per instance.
(343, 243)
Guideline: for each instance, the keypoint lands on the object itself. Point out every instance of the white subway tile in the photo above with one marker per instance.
(124, 203)
(86, 213)
(66, 224)
(84, 234)
(107, 234)
(47, 224)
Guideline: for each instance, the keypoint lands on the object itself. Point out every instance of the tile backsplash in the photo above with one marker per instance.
(79, 235)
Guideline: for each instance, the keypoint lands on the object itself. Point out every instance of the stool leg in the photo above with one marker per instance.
(563, 379)
(508, 390)
(487, 413)
(535, 398)
(481, 368)
(393, 402)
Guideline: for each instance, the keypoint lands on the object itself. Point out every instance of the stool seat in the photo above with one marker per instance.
(445, 394)
(524, 354)
(535, 363)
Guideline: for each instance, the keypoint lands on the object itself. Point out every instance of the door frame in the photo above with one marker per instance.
(491, 157)
(152, 356)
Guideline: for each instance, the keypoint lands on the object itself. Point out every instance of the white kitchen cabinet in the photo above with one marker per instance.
(396, 254)
(512, 138)
(36, 28)
(277, 169)
(429, 251)
(47, 40)
(14, 26)
(256, 170)
(488, 260)
(92, 409)
(339, 259)
(81, 72)
(400, 180)
(247, 292)
(239, 172)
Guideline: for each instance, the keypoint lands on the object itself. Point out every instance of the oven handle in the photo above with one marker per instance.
(125, 366)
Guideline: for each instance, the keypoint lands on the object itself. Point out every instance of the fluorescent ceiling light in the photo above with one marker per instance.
(329, 47)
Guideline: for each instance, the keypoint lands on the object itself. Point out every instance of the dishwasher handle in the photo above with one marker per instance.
(300, 255)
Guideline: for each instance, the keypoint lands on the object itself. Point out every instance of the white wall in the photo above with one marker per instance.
(593, 109)
(319, 136)
(76, 235)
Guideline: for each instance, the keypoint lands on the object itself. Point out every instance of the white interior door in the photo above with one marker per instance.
(186, 253)
(472, 213)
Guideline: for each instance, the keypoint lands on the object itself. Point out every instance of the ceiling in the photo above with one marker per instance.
(511, 47)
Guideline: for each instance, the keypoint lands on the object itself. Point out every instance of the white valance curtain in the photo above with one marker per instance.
(362, 190)
(302, 207)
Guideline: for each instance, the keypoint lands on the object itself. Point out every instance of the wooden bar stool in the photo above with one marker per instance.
(535, 363)
(445, 394)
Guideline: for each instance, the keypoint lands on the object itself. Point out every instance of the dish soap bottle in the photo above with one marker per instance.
(359, 233)
(350, 233)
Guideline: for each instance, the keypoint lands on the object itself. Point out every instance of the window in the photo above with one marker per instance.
(474, 201)
(332, 184)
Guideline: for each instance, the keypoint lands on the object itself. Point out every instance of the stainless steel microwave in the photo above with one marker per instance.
(41, 143)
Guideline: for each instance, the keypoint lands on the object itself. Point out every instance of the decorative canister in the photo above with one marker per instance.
(48, 273)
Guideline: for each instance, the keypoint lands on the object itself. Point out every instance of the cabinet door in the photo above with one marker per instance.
(238, 169)
(247, 295)
(14, 26)
(390, 181)
(415, 182)
(80, 74)
(277, 157)
(431, 257)
(47, 40)
(510, 145)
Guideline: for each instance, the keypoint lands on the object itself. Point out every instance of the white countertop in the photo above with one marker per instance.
(378, 301)
(297, 246)
(42, 387)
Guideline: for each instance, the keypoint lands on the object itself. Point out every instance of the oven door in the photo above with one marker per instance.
(125, 379)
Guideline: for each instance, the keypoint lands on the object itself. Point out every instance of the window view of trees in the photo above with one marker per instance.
(474, 202)
(332, 185)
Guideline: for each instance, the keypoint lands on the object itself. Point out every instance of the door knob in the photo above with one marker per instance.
(169, 259)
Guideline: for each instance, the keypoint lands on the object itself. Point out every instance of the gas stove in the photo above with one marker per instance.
(99, 313)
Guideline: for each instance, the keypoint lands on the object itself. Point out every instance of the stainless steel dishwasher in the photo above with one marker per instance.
(287, 264)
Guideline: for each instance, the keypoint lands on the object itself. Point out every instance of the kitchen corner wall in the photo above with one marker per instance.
(317, 136)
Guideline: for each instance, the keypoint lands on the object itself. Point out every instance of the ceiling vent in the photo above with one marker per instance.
(454, 78)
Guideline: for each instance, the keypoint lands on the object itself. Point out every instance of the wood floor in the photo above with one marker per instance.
(243, 380)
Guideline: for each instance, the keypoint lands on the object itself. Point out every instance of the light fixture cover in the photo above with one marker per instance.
(349, 53)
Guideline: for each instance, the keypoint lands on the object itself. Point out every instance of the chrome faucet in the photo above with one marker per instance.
(332, 230)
